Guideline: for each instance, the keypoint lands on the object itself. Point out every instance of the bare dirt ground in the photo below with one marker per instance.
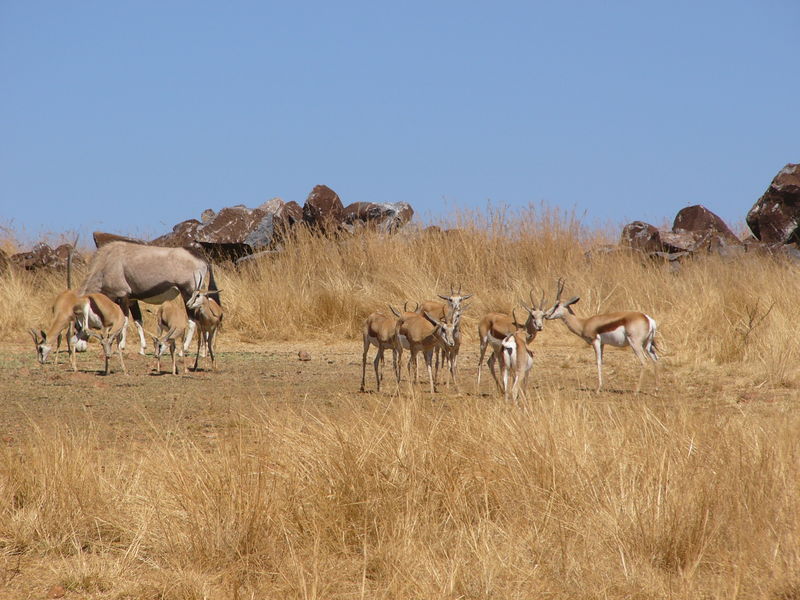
(272, 372)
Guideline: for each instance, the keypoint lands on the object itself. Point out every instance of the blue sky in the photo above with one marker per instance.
(132, 116)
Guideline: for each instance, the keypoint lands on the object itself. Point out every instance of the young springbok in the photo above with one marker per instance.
(379, 332)
(518, 359)
(63, 315)
(98, 311)
(634, 329)
(208, 314)
(421, 333)
(172, 319)
(495, 327)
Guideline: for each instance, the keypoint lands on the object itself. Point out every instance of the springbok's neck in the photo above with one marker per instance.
(574, 323)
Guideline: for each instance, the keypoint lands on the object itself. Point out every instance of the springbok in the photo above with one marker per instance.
(125, 271)
(634, 329)
(421, 333)
(518, 359)
(97, 311)
(378, 331)
(63, 316)
(495, 327)
(444, 311)
(209, 317)
(172, 319)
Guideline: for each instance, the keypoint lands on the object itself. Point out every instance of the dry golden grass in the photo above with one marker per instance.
(684, 494)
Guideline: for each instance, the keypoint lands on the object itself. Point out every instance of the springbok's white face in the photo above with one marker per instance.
(561, 308)
(43, 348)
(445, 330)
(159, 347)
(196, 300)
(535, 318)
(455, 299)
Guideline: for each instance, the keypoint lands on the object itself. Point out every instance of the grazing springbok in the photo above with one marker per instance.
(97, 311)
(634, 329)
(209, 317)
(172, 319)
(379, 332)
(421, 333)
(495, 327)
(518, 359)
(63, 316)
(125, 271)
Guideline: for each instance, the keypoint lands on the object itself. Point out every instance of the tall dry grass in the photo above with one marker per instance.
(408, 499)
(399, 497)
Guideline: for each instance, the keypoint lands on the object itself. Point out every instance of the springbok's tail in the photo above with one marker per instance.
(652, 346)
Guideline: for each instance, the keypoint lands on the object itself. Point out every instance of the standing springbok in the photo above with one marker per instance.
(421, 333)
(634, 329)
(209, 317)
(97, 311)
(63, 316)
(444, 311)
(378, 331)
(517, 358)
(495, 327)
(125, 271)
(172, 319)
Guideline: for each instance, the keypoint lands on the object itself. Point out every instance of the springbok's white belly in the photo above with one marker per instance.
(494, 342)
(615, 337)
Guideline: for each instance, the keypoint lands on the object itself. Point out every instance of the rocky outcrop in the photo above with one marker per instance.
(323, 209)
(641, 236)
(42, 256)
(775, 217)
(183, 234)
(384, 216)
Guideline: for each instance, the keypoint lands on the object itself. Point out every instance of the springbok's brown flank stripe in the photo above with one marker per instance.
(611, 326)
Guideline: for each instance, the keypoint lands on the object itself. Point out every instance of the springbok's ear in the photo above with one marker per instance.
(445, 298)
(572, 300)
(467, 297)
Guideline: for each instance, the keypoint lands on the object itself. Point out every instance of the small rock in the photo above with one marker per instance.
(303, 355)
(57, 591)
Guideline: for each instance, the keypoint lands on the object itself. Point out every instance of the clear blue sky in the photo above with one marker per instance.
(132, 116)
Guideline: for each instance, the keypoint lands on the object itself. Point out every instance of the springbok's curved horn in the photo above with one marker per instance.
(514, 317)
(559, 289)
(541, 302)
(396, 314)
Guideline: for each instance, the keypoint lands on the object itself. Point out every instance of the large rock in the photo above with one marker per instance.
(286, 217)
(775, 217)
(183, 234)
(384, 216)
(641, 236)
(323, 209)
(700, 221)
(42, 256)
(230, 226)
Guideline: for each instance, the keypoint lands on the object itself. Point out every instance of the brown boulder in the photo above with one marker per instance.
(699, 220)
(230, 226)
(42, 256)
(323, 209)
(183, 234)
(641, 236)
(384, 216)
(775, 216)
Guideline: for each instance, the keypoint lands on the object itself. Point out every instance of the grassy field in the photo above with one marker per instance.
(276, 478)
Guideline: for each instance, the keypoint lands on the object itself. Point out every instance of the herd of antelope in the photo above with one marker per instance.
(122, 273)
(433, 328)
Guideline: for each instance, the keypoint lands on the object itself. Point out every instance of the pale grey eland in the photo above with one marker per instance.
(125, 272)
